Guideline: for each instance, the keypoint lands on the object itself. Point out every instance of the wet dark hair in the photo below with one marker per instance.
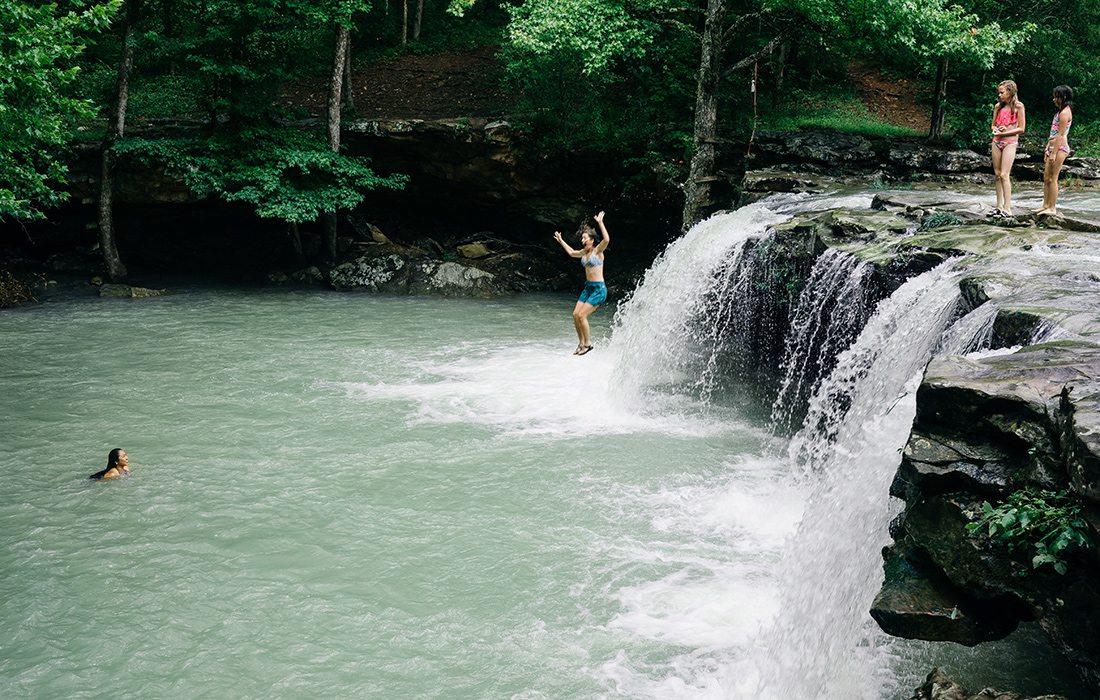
(586, 227)
(1064, 95)
(112, 462)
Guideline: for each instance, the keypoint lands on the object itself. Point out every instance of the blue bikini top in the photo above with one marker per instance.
(592, 260)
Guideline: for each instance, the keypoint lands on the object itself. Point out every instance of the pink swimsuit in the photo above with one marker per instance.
(1006, 117)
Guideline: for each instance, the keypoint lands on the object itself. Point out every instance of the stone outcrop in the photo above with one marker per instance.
(989, 426)
(819, 161)
(986, 426)
(474, 269)
(984, 429)
(939, 687)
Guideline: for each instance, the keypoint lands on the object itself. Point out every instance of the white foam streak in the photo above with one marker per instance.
(531, 389)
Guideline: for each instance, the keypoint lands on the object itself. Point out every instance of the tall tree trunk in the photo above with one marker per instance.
(349, 92)
(116, 127)
(295, 239)
(416, 20)
(343, 39)
(697, 189)
(784, 53)
(939, 102)
(404, 22)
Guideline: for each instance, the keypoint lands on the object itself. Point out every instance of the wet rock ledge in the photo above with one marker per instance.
(1020, 417)
(994, 426)
(939, 687)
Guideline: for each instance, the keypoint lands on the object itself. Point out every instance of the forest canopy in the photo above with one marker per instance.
(621, 77)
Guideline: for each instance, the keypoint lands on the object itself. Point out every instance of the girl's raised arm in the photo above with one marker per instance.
(603, 232)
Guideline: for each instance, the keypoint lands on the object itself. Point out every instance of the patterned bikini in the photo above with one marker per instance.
(1054, 128)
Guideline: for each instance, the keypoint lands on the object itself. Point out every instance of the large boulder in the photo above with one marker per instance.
(985, 428)
(939, 687)
(373, 273)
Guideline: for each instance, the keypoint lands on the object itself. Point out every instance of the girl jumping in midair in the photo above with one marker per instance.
(593, 245)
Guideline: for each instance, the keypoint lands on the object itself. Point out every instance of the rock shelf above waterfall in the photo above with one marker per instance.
(1016, 407)
(1022, 414)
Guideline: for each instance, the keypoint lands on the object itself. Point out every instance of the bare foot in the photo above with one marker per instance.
(1049, 211)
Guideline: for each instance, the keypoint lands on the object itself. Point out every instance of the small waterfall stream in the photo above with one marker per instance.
(831, 311)
(659, 338)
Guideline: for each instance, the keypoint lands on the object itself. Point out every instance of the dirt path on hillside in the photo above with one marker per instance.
(442, 85)
(894, 100)
(453, 84)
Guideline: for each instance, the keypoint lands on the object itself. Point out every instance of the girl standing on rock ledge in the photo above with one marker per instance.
(595, 291)
(1057, 147)
(1008, 124)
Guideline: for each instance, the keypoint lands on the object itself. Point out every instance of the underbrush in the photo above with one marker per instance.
(837, 109)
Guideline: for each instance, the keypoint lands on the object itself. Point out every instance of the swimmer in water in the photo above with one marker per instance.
(118, 465)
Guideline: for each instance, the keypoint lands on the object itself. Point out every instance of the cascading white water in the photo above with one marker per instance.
(822, 642)
(831, 310)
(824, 645)
(654, 340)
(871, 375)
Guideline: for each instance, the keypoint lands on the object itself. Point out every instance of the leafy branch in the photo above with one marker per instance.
(1047, 522)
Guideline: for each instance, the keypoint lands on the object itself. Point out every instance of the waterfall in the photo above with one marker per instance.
(824, 644)
(832, 309)
(665, 333)
(852, 363)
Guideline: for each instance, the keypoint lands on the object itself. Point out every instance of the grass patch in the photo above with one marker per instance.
(838, 109)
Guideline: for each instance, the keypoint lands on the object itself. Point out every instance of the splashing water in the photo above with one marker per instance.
(654, 340)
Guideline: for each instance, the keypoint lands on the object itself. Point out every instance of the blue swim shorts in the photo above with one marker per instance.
(595, 293)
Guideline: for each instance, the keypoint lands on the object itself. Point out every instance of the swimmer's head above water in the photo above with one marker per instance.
(118, 464)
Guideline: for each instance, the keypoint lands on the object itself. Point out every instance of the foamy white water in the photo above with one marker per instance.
(655, 339)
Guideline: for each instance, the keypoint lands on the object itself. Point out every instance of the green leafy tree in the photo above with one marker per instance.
(943, 33)
(282, 172)
(39, 46)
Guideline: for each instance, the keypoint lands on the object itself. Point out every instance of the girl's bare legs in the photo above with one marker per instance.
(1052, 168)
(577, 319)
(998, 182)
(581, 312)
(1002, 168)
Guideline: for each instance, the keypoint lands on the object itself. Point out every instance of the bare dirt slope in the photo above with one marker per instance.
(894, 100)
(452, 84)
(441, 85)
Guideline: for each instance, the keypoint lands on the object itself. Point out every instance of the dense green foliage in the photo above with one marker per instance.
(1048, 523)
(284, 173)
(39, 47)
(612, 76)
